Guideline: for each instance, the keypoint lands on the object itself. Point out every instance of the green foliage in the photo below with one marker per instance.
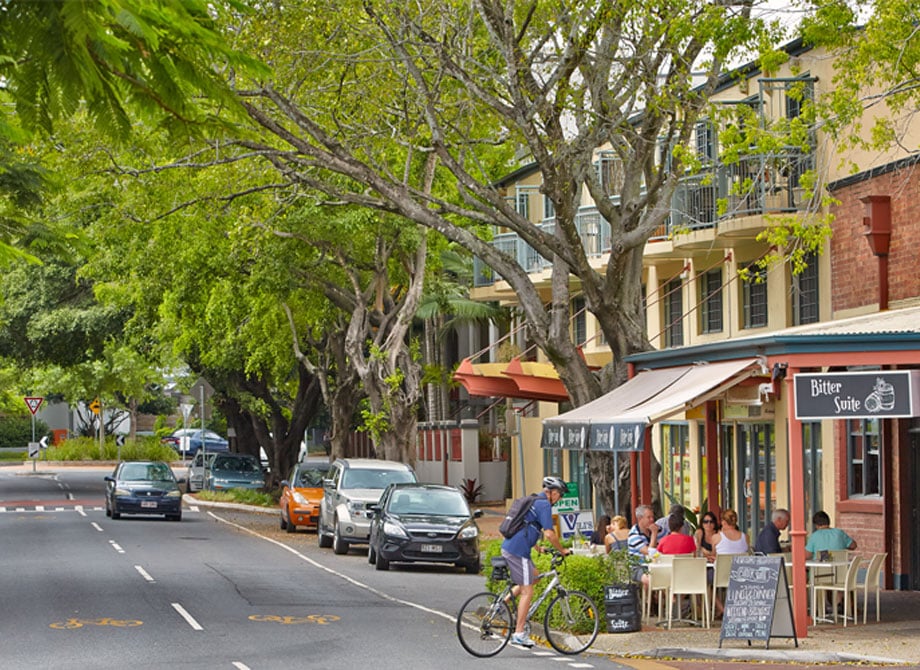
(87, 449)
(242, 496)
(471, 490)
(16, 431)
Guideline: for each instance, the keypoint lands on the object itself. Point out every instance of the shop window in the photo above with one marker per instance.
(864, 472)
(579, 322)
(711, 301)
(675, 463)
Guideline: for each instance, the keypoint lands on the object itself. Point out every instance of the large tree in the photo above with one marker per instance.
(357, 106)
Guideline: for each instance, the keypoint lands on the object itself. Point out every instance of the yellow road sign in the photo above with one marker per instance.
(96, 406)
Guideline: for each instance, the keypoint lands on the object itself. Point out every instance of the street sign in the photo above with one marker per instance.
(201, 389)
(120, 440)
(33, 403)
(34, 449)
(95, 406)
(44, 442)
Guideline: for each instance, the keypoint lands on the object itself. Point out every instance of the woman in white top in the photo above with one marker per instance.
(729, 539)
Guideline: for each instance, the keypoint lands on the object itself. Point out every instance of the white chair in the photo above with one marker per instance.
(688, 577)
(847, 587)
(659, 580)
(871, 583)
(721, 570)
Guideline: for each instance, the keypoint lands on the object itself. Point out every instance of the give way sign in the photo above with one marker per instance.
(33, 403)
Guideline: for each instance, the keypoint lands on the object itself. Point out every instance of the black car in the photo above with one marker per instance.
(143, 487)
(424, 523)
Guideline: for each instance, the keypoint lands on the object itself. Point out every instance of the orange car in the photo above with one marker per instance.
(301, 495)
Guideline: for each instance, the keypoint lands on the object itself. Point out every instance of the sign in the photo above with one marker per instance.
(33, 403)
(95, 406)
(120, 440)
(621, 606)
(576, 523)
(857, 395)
(757, 605)
(201, 389)
(43, 443)
(569, 502)
(594, 436)
(34, 449)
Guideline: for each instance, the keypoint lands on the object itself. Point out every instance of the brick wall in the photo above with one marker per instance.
(854, 269)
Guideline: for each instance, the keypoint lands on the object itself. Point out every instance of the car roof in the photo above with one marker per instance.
(372, 463)
(314, 463)
(427, 487)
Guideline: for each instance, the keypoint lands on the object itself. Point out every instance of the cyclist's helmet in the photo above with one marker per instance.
(553, 482)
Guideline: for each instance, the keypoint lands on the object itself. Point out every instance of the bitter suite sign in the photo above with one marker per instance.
(857, 395)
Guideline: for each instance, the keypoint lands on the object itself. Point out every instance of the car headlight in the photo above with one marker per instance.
(355, 507)
(299, 498)
(122, 492)
(468, 533)
(174, 494)
(390, 528)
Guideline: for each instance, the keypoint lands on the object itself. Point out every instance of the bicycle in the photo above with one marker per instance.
(486, 620)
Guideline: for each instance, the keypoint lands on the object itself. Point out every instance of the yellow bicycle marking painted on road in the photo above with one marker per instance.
(321, 619)
(73, 623)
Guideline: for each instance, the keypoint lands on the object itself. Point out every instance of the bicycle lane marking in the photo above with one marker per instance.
(371, 589)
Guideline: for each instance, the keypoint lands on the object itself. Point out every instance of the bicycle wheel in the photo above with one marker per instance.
(484, 625)
(571, 622)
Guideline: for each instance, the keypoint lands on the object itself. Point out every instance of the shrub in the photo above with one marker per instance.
(589, 574)
(471, 490)
(87, 449)
(16, 431)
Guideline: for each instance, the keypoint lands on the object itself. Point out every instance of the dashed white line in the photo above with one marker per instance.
(96, 526)
(580, 665)
(144, 574)
(39, 508)
(116, 546)
(188, 617)
(240, 666)
(79, 510)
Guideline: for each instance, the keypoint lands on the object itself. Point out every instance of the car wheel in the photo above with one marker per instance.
(174, 517)
(108, 511)
(371, 555)
(339, 546)
(382, 563)
(291, 527)
(472, 568)
(324, 540)
(115, 515)
(284, 524)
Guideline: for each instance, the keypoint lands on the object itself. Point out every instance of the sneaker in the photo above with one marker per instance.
(521, 640)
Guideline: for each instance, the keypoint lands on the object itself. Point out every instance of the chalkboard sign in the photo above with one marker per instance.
(621, 604)
(757, 605)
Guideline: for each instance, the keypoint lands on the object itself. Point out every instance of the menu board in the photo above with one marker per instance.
(757, 605)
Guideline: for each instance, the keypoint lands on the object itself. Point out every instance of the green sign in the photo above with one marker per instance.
(570, 501)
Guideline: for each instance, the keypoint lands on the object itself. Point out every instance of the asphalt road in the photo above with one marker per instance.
(220, 589)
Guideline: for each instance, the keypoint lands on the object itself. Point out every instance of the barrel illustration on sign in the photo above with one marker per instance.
(757, 605)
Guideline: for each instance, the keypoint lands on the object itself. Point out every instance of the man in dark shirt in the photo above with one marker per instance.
(768, 539)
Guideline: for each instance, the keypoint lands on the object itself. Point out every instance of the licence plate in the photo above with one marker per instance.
(432, 548)
(149, 504)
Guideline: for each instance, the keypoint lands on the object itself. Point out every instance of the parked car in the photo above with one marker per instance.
(233, 471)
(350, 487)
(187, 441)
(424, 523)
(143, 487)
(301, 495)
(195, 477)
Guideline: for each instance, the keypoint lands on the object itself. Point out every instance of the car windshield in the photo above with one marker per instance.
(375, 479)
(234, 464)
(142, 472)
(311, 478)
(421, 501)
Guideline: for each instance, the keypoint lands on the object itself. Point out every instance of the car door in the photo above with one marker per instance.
(377, 519)
(330, 495)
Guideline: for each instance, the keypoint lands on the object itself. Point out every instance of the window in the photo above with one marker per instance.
(522, 203)
(579, 322)
(705, 141)
(675, 466)
(610, 172)
(549, 209)
(754, 298)
(674, 314)
(805, 293)
(711, 301)
(813, 462)
(864, 474)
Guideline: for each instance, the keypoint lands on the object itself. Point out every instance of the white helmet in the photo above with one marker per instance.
(553, 482)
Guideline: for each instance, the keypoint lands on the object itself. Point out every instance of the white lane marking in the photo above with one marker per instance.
(350, 580)
(116, 546)
(39, 508)
(144, 574)
(240, 666)
(79, 510)
(580, 665)
(2, 509)
(69, 495)
(193, 508)
(188, 617)
(96, 526)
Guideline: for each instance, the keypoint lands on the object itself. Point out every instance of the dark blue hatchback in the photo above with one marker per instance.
(143, 487)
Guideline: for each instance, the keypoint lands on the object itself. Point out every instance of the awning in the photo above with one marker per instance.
(617, 421)
(516, 379)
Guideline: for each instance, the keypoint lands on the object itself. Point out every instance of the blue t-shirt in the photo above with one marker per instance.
(828, 539)
(538, 519)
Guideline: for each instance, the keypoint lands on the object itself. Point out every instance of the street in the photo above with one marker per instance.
(220, 589)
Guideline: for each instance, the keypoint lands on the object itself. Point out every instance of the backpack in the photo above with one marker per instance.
(514, 521)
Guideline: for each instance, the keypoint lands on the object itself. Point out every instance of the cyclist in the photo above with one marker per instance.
(516, 551)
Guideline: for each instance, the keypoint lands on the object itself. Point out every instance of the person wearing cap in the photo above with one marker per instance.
(516, 551)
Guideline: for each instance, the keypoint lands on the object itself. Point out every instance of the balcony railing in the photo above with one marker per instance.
(755, 185)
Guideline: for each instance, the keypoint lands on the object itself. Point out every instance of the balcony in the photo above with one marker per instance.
(754, 186)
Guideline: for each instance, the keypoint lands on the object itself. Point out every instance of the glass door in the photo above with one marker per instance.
(756, 462)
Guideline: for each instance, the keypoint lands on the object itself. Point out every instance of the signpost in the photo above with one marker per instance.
(33, 403)
(204, 390)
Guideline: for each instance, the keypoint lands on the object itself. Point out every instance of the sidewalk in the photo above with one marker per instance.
(893, 641)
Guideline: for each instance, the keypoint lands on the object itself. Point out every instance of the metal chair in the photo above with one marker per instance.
(871, 583)
(847, 587)
(688, 577)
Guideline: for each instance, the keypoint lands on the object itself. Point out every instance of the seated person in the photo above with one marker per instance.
(676, 541)
(826, 539)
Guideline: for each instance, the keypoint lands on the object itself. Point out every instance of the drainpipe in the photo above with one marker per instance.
(878, 233)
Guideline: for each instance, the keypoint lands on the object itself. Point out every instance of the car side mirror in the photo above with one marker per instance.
(374, 508)
(328, 484)
(109, 478)
(477, 513)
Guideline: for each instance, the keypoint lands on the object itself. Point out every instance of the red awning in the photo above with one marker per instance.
(528, 380)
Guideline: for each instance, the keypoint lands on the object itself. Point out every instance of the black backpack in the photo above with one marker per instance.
(514, 521)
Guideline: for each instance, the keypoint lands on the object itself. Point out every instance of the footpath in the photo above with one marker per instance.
(892, 642)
